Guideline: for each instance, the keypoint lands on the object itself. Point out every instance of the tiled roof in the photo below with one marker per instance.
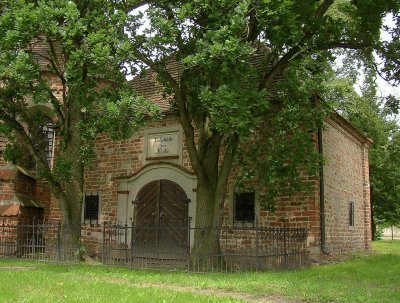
(9, 210)
(147, 85)
(40, 50)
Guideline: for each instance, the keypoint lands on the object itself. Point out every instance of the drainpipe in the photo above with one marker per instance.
(324, 246)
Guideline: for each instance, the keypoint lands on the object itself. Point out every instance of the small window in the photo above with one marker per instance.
(91, 208)
(244, 205)
(351, 215)
(47, 137)
(47, 131)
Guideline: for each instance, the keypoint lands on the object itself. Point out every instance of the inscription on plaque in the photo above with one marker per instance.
(162, 145)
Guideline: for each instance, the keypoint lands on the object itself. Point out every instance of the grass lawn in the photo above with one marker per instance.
(373, 278)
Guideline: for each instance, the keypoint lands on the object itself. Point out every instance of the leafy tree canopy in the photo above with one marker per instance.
(61, 61)
(233, 56)
(222, 90)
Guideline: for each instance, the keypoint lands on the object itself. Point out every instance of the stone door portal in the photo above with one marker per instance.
(161, 216)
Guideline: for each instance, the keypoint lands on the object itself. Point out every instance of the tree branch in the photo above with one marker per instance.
(55, 62)
(56, 106)
(252, 31)
(322, 9)
(296, 50)
(345, 45)
(20, 132)
(130, 5)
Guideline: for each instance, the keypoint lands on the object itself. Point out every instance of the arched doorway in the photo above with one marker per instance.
(161, 216)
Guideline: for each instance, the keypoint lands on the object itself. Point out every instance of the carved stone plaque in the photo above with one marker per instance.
(162, 145)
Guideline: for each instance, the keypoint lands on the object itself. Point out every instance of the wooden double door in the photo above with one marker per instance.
(161, 216)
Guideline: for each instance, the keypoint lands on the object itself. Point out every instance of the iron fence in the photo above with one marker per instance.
(234, 249)
(171, 247)
(44, 242)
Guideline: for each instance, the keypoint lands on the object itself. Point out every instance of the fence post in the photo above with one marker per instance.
(58, 241)
(257, 251)
(285, 244)
(188, 244)
(133, 230)
(33, 250)
(104, 243)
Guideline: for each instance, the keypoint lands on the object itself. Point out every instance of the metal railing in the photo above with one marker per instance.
(170, 247)
(231, 249)
(44, 242)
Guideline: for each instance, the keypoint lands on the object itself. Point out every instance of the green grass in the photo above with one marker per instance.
(373, 278)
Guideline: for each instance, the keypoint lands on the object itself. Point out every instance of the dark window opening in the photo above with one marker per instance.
(91, 208)
(47, 140)
(47, 132)
(351, 215)
(244, 205)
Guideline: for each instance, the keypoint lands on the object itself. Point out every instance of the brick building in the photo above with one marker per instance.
(131, 181)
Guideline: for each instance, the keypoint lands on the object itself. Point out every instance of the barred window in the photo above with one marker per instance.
(91, 208)
(47, 131)
(351, 214)
(244, 205)
(47, 143)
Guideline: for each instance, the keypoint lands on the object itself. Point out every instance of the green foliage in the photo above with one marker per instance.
(62, 169)
(243, 68)
(224, 88)
(385, 188)
(81, 250)
(122, 118)
(230, 80)
(62, 60)
(12, 153)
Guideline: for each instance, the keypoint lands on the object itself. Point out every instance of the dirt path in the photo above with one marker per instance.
(222, 293)
(219, 293)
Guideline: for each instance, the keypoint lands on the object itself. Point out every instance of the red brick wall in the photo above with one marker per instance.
(300, 210)
(346, 180)
(118, 159)
(42, 194)
(12, 182)
(6, 189)
(25, 185)
(7, 175)
(6, 183)
(345, 174)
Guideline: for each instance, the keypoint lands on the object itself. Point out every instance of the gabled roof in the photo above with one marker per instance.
(40, 50)
(350, 128)
(148, 86)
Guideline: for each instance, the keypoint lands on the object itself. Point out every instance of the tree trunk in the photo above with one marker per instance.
(71, 201)
(205, 218)
(206, 252)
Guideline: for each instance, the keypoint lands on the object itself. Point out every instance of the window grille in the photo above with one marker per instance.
(47, 135)
(351, 214)
(47, 132)
(91, 208)
(244, 206)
